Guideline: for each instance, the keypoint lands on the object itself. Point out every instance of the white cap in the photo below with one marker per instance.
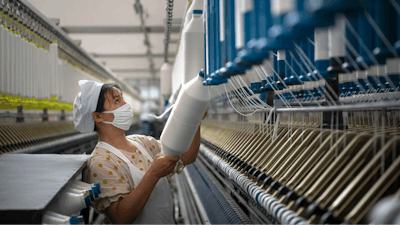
(85, 104)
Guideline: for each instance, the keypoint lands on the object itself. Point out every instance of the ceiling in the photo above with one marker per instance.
(111, 13)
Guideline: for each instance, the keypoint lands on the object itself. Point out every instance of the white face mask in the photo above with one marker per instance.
(123, 117)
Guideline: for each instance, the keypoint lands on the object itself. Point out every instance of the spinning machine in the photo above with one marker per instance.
(40, 67)
(302, 125)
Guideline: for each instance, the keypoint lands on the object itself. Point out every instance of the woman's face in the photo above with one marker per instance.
(114, 100)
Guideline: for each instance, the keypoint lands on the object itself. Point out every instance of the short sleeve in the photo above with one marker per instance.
(149, 143)
(111, 177)
(155, 147)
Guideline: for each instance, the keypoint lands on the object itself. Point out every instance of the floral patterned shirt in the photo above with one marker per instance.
(113, 174)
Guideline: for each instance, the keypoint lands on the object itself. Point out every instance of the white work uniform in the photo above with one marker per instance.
(159, 207)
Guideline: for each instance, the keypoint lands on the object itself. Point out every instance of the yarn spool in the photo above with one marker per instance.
(165, 80)
(55, 218)
(193, 53)
(185, 118)
(70, 204)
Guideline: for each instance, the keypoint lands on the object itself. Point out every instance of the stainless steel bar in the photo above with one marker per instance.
(352, 107)
(363, 106)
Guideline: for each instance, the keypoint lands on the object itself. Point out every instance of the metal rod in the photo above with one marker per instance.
(352, 107)
(363, 106)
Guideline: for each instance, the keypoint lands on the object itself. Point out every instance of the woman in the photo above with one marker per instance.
(131, 170)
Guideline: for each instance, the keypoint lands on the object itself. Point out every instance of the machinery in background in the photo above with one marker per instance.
(304, 106)
(40, 69)
(303, 120)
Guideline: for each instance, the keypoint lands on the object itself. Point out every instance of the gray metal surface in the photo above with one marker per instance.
(30, 182)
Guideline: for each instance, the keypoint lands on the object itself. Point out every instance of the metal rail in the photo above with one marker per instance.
(348, 107)
(352, 107)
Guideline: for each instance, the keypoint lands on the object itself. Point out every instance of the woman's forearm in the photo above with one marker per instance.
(130, 207)
(191, 155)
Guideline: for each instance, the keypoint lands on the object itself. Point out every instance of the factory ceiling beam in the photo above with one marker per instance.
(174, 21)
(134, 70)
(95, 55)
(116, 30)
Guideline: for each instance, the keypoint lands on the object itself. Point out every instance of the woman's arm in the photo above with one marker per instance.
(190, 156)
(128, 209)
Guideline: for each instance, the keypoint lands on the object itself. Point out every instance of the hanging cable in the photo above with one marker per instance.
(139, 10)
(167, 27)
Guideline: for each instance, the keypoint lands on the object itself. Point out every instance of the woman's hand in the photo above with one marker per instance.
(163, 165)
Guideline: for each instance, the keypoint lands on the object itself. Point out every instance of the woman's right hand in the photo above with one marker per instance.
(163, 165)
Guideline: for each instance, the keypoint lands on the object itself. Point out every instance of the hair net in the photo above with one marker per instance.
(85, 104)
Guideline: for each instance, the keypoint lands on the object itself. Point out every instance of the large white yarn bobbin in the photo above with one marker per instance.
(185, 118)
(193, 53)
